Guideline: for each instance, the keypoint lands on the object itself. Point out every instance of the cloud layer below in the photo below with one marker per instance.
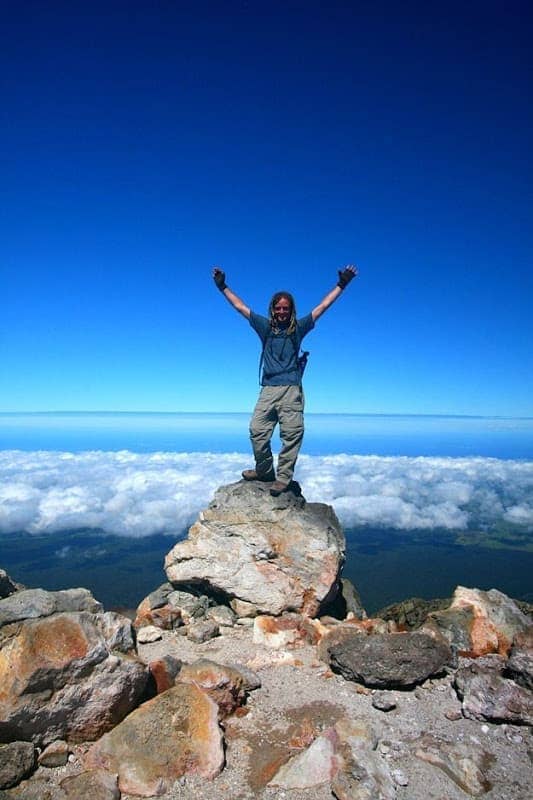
(133, 494)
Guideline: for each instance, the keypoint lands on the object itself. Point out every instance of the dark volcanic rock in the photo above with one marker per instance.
(411, 614)
(390, 660)
(7, 585)
(17, 760)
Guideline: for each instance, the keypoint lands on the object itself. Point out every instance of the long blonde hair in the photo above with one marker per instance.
(292, 321)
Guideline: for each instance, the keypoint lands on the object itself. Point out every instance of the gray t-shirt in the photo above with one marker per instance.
(280, 360)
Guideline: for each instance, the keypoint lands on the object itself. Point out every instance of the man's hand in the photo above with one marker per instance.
(219, 276)
(347, 274)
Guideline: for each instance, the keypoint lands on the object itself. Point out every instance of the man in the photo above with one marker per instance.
(281, 399)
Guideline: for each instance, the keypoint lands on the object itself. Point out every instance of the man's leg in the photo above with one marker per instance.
(291, 427)
(262, 426)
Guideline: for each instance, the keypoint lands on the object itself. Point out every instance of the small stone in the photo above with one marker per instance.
(245, 622)
(55, 755)
(149, 634)
(225, 685)
(200, 632)
(383, 701)
(485, 728)
(399, 777)
(222, 615)
(242, 608)
(453, 714)
(191, 606)
(516, 738)
(279, 632)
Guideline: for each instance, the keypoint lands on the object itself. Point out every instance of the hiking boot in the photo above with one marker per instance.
(278, 488)
(251, 475)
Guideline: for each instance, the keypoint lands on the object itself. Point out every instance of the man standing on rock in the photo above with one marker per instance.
(281, 399)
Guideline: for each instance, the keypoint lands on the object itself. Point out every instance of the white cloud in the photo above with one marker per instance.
(135, 494)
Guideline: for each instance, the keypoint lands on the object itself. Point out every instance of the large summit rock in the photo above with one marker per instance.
(277, 554)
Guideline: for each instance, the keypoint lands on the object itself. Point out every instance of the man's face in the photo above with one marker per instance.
(282, 310)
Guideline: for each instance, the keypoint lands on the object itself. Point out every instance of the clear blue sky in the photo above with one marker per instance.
(143, 142)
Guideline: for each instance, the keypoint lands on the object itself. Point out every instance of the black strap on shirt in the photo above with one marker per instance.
(301, 360)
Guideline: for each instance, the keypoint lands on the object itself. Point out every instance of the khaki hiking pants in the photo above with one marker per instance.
(283, 404)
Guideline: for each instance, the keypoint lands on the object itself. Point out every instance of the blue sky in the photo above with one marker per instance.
(144, 142)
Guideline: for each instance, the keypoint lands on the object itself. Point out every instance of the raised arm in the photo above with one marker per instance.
(220, 280)
(345, 276)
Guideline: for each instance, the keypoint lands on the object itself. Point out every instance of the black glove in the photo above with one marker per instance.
(220, 278)
(345, 276)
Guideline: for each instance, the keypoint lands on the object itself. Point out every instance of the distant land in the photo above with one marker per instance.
(386, 565)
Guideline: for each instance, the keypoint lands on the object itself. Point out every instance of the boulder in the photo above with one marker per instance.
(224, 684)
(17, 760)
(520, 664)
(276, 554)
(148, 634)
(477, 622)
(289, 630)
(117, 631)
(94, 784)
(39, 789)
(7, 585)
(163, 672)
(317, 764)
(64, 675)
(352, 599)
(333, 632)
(36, 603)
(389, 660)
(364, 774)
(174, 734)
(412, 613)
(465, 764)
(223, 616)
(487, 695)
(203, 630)
(169, 609)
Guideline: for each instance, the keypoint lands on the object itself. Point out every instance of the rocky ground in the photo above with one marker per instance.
(299, 698)
(203, 699)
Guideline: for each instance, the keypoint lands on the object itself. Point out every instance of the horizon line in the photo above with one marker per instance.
(102, 412)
